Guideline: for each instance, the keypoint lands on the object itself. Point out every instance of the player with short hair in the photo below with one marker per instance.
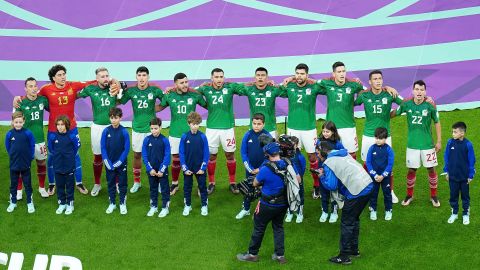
(102, 102)
(33, 107)
(377, 105)
(182, 100)
(420, 146)
(143, 97)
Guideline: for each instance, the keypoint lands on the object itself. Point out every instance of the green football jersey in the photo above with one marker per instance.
(377, 110)
(340, 100)
(419, 120)
(102, 102)
(220, 104)
(180, 106)
(302, 103)
(263, 101)
(143, 103)
(33, 112)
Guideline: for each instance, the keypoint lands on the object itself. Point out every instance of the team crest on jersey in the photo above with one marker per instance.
(424, 113)
(189, 101)
(268, 94)
(40, 106)
(308, 91)
(384, 100)
(70, 92)
(150, 96)
(348, 90)
(225, 91)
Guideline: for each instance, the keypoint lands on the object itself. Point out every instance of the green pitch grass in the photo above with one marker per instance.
(418, 237)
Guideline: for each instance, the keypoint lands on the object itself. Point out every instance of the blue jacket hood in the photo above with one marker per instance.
(338, 153)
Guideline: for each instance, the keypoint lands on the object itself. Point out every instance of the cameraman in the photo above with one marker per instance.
(271, 207)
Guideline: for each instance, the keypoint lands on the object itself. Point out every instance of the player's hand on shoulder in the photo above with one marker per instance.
(16, 102)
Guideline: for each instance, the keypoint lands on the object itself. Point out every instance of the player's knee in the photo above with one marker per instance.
(230, 155)
(137, 155)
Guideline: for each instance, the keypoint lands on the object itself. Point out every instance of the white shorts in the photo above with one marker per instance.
(368, 141)
(41, 152)
(95, 136)
(224, 136)
(349, 139)
(428, 157)
(306, 138)
(273, 134)
(137, 141)
(174, 145)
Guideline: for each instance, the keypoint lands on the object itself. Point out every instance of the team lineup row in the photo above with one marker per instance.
(301, 91)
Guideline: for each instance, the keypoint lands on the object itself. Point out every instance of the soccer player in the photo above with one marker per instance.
(33, 107)
(261, 98)
(220, 123)
(420, 145)
(302, 99)
(377, 105)
(143, 97)
(102, 102)
(61, 95)
(20, 146)
(194, 154)
(114, 146)
(182, 101)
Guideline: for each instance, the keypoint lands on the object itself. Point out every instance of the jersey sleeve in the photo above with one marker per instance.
(77, 86)
(146, 162)
(206, 153)
(391, 158)
(321, 87)
(401, 109)
(158, 93)
(244, 153)
(164, 101)
(125, 97)
(260, 177)
(471, 160)
(126, 146)
(238, 88)
(201, 101)
(303, 164)
(50, 139)
(76, 142)
(85, 92)
(359, 99)
(181, 152)
(166, 155)
(368, 162)
(103, 148)
(446, 155)
(7, 141)
(398, 100)
(435, 116)
(282, 91)
(31, 140)
(329, 180)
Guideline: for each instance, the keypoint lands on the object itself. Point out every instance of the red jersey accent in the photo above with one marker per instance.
(62, 101)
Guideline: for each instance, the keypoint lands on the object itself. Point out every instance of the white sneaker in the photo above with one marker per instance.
(204, 210)
(333, 217)
(111, 208)
(394, 197)
(123, 209)
(152, 211)
(452, 218)
(30, 208)
(299, 218)
(388, 215)
(323, 217)
(60, 209)
(43, 192)
(95, 190)
(373, 215)
(11, 207)
(69, 210)
(135, 187)
(242, 214)
(466, 219)
(289, 217)
(19, 195)
(186, 210)
(164, 212)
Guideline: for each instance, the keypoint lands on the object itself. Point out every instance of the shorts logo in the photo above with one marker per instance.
(348, 90)
(150, 96)
(308, 91)
(424, 113)
(189, 101)
(268, 94)
(384, 100)
(225, 91)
